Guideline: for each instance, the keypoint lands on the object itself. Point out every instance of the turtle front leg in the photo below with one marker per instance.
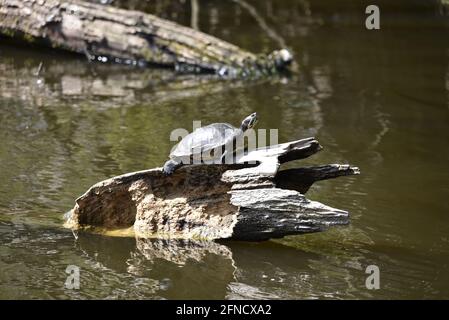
(170, 166)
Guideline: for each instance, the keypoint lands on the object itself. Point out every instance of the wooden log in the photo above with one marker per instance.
(301, 179)
(219, 201)
(105, 33)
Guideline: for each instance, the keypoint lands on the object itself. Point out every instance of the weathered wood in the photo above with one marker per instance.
(219, 201)
(301, 179)
(105, 33)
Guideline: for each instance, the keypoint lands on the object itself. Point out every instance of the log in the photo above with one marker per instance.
(104, 33)
(251, 199)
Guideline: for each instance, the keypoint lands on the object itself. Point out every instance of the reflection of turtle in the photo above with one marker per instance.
(207, 143)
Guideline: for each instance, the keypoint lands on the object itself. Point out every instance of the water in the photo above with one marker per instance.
(375, 99)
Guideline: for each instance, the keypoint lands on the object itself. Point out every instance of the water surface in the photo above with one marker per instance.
(375, 99)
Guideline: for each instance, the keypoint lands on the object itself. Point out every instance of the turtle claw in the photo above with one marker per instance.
(166, 173)
(170, 166)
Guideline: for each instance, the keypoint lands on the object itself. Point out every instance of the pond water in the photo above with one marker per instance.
(376, 99)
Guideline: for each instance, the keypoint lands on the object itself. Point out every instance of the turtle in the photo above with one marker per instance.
(208, 144)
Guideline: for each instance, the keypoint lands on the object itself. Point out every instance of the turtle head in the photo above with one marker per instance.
(249, 122)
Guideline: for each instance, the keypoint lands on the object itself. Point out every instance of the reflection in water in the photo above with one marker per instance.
(103, 85)
(378, 100)
(179, 269)
(270, 32)
(155, 268)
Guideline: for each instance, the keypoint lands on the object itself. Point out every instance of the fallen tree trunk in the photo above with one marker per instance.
(105, 33)
(218, 201)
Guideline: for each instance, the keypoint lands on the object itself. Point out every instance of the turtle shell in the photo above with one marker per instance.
(205, 139)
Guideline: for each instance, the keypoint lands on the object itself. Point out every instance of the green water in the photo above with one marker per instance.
(375, 99)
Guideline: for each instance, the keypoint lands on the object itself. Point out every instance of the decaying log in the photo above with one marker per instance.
(243, 201)
(105, 33)
(301, 179)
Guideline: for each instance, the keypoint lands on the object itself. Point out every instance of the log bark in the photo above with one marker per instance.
(105, 33)
(241, 201)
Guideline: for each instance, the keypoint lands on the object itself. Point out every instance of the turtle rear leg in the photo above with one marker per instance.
(170, 166)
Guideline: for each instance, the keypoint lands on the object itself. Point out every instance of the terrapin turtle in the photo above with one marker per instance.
(204, 143)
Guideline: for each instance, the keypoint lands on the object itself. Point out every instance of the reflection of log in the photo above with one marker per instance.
(73, 81)
(106, 33)
(239, 201)
(171, 268)
(193, 269)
